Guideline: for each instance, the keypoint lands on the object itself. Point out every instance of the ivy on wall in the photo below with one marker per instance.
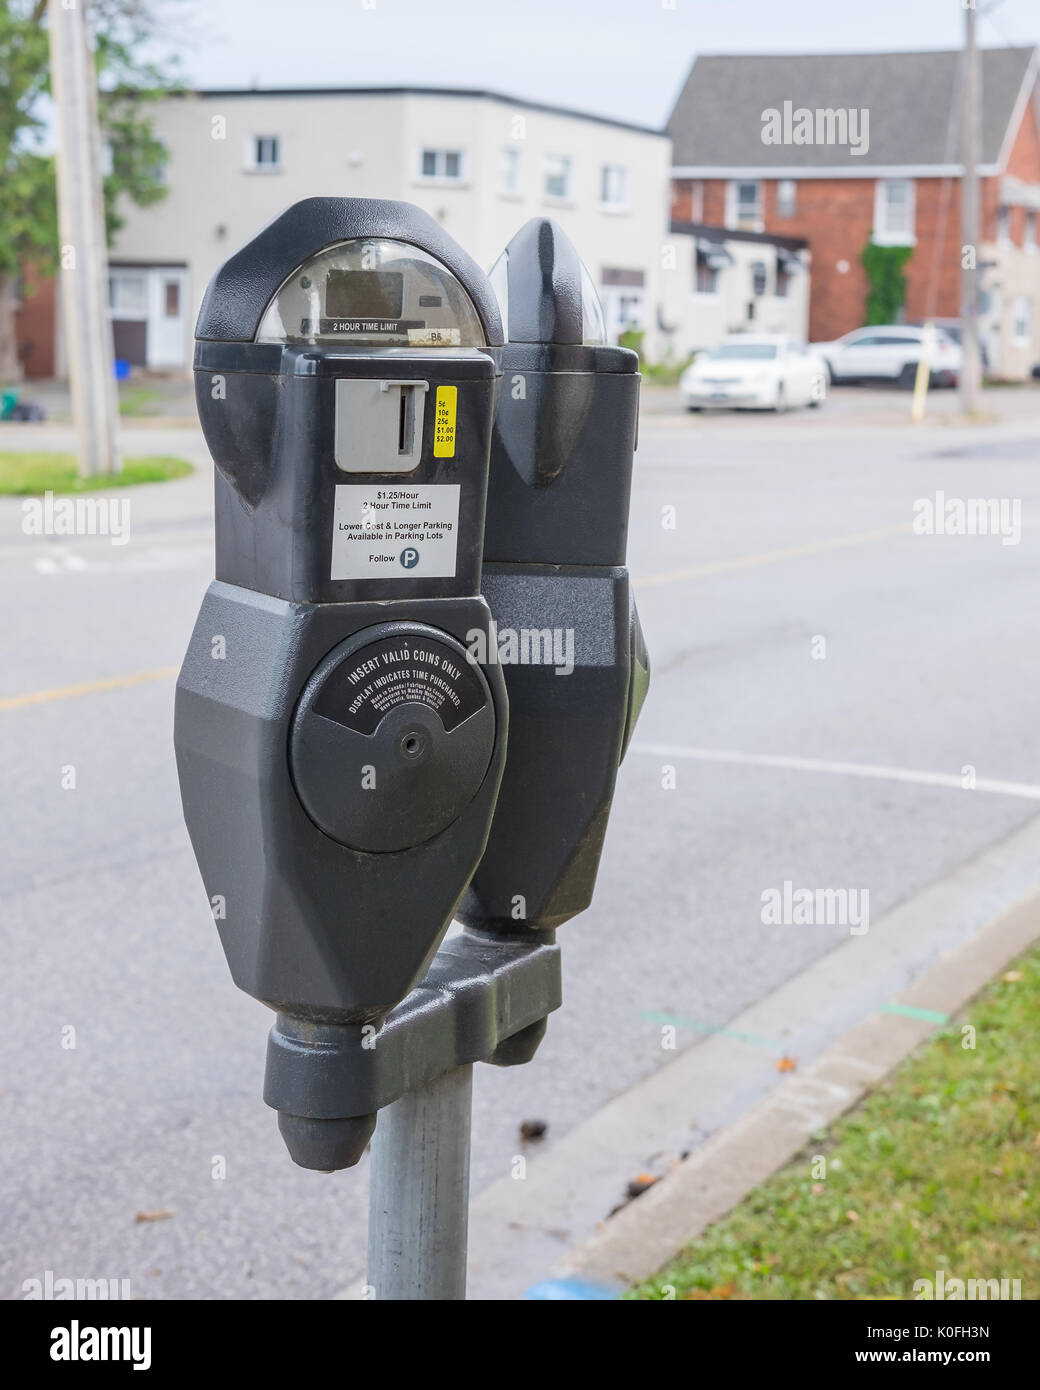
(884, 266)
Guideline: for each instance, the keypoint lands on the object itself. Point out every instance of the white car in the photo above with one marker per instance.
(890, 352)
(759, 371)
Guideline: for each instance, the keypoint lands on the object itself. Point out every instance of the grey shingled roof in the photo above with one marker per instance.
(717, 119)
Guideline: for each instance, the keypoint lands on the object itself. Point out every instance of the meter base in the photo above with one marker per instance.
(483, 1000)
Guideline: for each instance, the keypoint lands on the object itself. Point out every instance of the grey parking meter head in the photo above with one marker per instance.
(568, 634)
(339, 754)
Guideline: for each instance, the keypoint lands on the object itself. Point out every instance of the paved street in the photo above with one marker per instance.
(785, 531)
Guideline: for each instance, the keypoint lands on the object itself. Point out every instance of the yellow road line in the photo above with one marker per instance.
(768, 557)
(66, 692)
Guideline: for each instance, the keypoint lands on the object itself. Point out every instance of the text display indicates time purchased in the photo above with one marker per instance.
(395, 532)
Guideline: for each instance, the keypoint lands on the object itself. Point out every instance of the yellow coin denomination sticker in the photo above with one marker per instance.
(444, 422)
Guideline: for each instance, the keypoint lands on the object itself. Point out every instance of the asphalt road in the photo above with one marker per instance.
(785, 531)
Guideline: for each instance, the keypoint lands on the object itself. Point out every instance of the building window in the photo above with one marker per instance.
(894, 212)
(1029, 238)
(264, 154)
(783, 283)
(697, 200)
(786, 197)
(1022, 321)
(172, 299)
(613, 186)
(707, 278)
(442, 165)
(759, 278)
(744, 205)
(1004, 227)
(557, 176)
(128, 294)
(511, 171)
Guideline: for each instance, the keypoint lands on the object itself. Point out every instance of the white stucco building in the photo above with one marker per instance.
(480, 162)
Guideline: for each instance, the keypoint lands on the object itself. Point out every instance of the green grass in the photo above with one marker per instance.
(25, 475)
(936, 1169)
(139, 400)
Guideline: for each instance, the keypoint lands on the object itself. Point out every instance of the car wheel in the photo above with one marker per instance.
(694, 409)
(908, 376)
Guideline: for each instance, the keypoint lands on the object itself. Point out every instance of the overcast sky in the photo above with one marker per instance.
(625, 58)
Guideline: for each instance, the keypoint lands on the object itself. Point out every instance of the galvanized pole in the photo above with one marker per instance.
(971, 370)
(419, 1194)
(84, 261)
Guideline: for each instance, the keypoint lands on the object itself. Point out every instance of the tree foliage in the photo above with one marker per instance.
(124, 32)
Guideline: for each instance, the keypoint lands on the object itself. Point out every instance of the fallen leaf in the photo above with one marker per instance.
(639, 1184)
(1013, 976)
(786, 1063)
(152, 1216)
(533, 1129)
(852, 1215)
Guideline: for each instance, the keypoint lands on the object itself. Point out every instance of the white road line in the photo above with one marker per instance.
(1026, 790)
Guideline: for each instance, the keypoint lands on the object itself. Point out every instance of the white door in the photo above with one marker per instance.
(167, 318)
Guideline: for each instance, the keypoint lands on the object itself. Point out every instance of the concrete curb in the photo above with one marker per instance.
(642, 1237)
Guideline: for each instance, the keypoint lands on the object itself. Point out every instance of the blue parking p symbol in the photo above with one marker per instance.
(409, 557)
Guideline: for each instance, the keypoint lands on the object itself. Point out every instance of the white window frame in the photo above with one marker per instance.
(882, 235)
(440, 177)
(609, 175)
(513, 157)
(786, 208)
(1022, 321)
(733, 205)
(124, 273)
(253, 163)
(568, 162)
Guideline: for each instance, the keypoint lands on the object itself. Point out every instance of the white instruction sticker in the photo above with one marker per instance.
(395, 532)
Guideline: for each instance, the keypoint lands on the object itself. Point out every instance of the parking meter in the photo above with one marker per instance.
(339, 753)
(568, 635)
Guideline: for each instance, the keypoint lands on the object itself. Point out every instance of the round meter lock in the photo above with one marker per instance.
(392, 737)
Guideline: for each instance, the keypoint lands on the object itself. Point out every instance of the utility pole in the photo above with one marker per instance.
(971, 372)
(81, 223)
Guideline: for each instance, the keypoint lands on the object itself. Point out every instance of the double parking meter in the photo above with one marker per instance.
(342, 718)
(339, 753)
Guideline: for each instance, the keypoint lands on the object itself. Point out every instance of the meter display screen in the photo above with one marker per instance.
(372, 292)
(364, 294)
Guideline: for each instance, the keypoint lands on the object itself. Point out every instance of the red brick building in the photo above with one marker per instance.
(34, 326)
(843, 149)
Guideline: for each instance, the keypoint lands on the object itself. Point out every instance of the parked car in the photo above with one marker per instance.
(954, 329)
(889, 352)
(758, 371)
